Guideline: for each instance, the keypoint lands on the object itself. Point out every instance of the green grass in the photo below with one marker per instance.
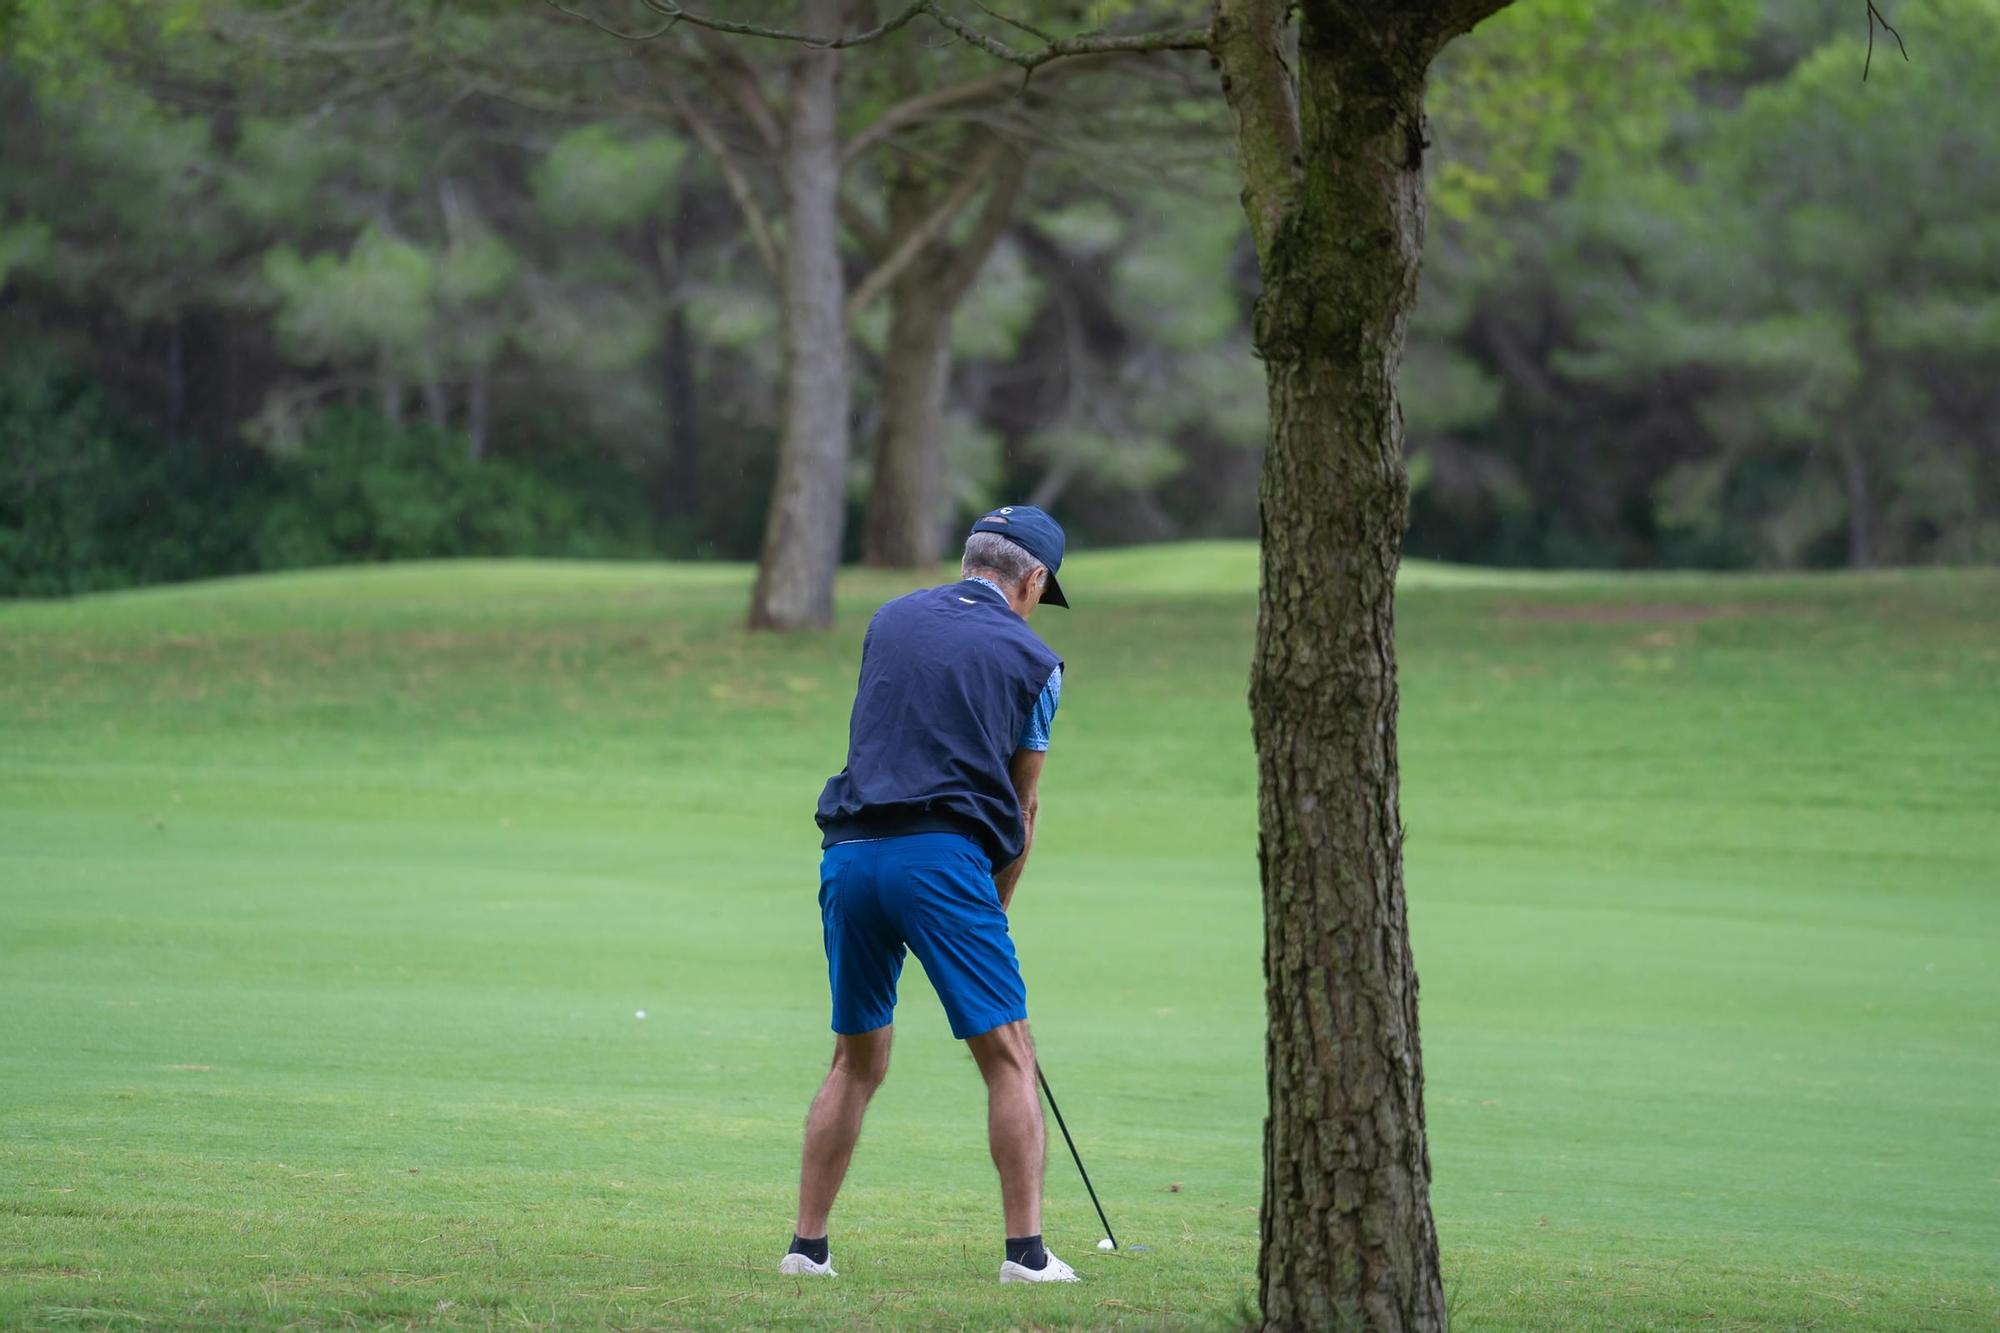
(326, 902)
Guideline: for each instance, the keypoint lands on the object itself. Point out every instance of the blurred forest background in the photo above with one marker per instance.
(300, 283)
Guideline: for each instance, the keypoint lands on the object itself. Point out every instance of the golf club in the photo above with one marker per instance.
(1074, 1155)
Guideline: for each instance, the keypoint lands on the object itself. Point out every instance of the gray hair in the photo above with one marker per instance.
(991, 553)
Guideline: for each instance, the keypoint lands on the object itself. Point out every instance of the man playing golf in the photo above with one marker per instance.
(927, 830)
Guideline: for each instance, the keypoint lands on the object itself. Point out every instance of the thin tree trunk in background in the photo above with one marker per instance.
(677, 395)
(476, 410)
(437, 405)
(1334, 188)
(1052, 485)
(907, 505)
(677, 388)
(391, 393)
(176, 376)
(802, 533)
(904, 503)
(1860, 505)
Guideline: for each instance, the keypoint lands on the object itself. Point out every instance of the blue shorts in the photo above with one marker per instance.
(934, 893)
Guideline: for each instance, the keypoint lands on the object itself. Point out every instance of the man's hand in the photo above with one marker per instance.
(1026, 770)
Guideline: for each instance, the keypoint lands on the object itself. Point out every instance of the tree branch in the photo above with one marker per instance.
(1458, 17)
(1257, 84)
(1874, 18)
(732, 177)
(1010, 173)
(619, 33)
(900, 19)
(913, 110)
(1028, 28)
(874, 240)
(744, 88)
(911, 243)
(1096, 43)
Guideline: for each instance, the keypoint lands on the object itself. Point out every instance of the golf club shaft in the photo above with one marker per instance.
(1075, 1156)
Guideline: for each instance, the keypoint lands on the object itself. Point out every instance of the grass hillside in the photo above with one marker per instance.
(327, 902)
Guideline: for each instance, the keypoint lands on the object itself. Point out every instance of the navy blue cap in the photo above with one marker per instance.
(1037, 534)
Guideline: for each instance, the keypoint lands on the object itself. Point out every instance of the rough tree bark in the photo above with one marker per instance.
(1334, 190)
(802, 533)
(906, 501)
(907, 505)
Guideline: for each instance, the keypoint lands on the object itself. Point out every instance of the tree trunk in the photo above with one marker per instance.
(1347, 1235)
(677, 386)
(907, 504)
(808, 502)
(476, 414)
(1860, 505)
(176, 376)
(390, 390)
(906, 508)
(437, 404)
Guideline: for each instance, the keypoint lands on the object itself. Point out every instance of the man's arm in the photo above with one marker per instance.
(1026, 770)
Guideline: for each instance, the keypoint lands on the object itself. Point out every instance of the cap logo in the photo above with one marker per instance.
(1008, 510)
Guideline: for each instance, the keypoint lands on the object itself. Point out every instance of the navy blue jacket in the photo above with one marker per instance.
(948, 678)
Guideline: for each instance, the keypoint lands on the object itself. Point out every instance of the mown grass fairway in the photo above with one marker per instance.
(327, 901)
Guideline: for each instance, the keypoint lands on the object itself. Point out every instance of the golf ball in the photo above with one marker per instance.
(1106, 1244)
(640, 1014)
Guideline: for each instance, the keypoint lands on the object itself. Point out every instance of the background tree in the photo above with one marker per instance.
(1844, 414)
(631, 357)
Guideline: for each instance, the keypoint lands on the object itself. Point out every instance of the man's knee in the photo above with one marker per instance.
(1006, 1053)
(863, 1058)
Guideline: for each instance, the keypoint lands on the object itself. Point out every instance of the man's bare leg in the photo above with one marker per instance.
(1006, 1058)
(860, 1063)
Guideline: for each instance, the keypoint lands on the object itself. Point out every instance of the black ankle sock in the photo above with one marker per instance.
(815, 1250)
(1027, 1251)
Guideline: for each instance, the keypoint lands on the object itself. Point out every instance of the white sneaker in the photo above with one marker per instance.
(799, 1265)
(1057, 1271)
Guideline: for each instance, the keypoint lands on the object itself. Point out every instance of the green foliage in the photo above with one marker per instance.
(476, 267)
(600, 176)
(61, 449)
(1691, 288)
(1092, 227)
(62, 46)
(974, 464)
(1219, 389)
(1445, 391)
(89, 499)
(22, 244)
(1560, 81)
(1121, 461)
(1177, 280)
(732, 317)
(1825, 272)
(997, 312)
(360, 491)
(283, 165)
(377, 297)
